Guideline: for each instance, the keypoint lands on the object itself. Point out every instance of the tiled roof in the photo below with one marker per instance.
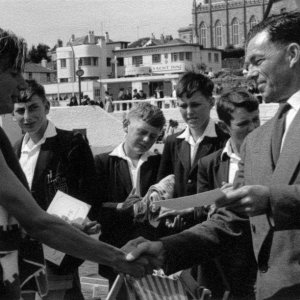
(175, 42)
(84, 40)
(36, 68)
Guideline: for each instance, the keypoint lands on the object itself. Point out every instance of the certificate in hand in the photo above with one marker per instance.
(69, 209)
(202, 199)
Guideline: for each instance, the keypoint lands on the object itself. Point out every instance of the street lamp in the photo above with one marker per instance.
(74, 64)
(79, 73)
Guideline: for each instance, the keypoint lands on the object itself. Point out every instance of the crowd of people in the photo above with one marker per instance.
(244, 245)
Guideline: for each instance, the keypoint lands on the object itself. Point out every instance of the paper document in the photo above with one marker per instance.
(69, 209)
(202, 199)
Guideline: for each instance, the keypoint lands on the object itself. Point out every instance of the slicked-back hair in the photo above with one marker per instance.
(283, 28)
(33, 88)
(149, 113)
(191, 82)
(12, 51)
(232, 99)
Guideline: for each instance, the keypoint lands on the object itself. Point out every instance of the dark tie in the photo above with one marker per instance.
(278, 132)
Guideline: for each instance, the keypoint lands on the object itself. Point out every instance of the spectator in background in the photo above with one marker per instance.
(73, 101)
(108, 106)
(136, 95)
(142, 94)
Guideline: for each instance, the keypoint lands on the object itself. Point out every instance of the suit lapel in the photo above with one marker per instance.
(221, 170)
(124, 175)
(184, 153)
(44, 159)
(289, 157)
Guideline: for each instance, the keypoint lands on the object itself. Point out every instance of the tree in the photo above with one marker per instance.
(37, 53)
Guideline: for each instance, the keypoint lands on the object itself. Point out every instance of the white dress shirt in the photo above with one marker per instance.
(30, 152)
(210, 131)
(133, 170)
(234, 160)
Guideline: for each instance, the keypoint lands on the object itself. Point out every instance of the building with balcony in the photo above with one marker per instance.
(217, 23)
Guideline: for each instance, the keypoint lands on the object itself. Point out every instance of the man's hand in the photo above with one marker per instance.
(141, 248)
(250, 200)
(89, 227)
(173, 212)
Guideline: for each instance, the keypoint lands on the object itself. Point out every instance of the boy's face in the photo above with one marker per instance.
(140, 137)
(195, 110)
(11, 81)
(241, 124)
(32, 116)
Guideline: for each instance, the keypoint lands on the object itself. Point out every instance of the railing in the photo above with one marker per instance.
(125, 105)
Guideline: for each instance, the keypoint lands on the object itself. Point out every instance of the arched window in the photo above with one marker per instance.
(218, 34)
(252, 22)
(203, 32)
(235, 31)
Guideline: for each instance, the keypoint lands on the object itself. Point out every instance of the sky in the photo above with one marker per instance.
(45, 21)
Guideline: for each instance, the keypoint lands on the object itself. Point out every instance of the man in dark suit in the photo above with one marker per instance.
(125, 175)
(200, 138)
(269, 174)
(50, 156)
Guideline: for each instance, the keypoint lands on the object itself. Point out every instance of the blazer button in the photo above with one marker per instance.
(264, 268)
(253, 228)
(190, 181)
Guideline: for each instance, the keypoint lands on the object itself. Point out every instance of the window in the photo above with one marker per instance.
(48, 77)
(218, 34)
(86, 61)
(97, 92)
(209, 57)
(203, 34)
(95, 61)
(137, 60)
(181, 56)
(120, 61)
(216, 56)
(108, 61)
(29, 75)
(156, 58)
(235, 32)
(188, 56)
(63, 80)
(252, 22)
(63, 63)
(174, 56)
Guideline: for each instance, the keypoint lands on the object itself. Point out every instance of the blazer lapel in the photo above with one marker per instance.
(184, 153)
(289, 157)
(124, 175)
(43, 161)
(221, 170)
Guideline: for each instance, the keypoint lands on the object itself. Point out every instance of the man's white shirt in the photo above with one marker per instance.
(30, 152)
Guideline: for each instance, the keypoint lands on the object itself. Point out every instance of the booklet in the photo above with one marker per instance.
(201, 199)
(69, 209)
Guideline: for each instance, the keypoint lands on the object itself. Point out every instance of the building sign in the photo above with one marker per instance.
(168, 68)
(132, 70)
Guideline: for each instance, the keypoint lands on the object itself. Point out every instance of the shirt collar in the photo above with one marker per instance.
(229, 152)
(294, 101)
(119, 152)
(49, 132)
(210, 131)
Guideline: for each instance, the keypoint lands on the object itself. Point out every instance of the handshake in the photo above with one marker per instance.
(141, 257)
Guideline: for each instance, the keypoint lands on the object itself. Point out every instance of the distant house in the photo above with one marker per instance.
(40, 73)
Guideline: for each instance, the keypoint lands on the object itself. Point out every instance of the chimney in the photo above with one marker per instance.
(91, 37)
(44, 63)
(106, 37)
(162, 38)
(59, 43)
(73, 38)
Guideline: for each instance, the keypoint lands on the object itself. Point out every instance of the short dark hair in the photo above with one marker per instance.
(191, 82)
(232, 99)
(12, 51)
(148, 113)
(283, 28)
(33, 88)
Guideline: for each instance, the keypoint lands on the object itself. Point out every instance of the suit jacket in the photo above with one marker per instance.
(238, 265)
(176, 160)
(115, 182)
(276, 235)
(69, 155)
